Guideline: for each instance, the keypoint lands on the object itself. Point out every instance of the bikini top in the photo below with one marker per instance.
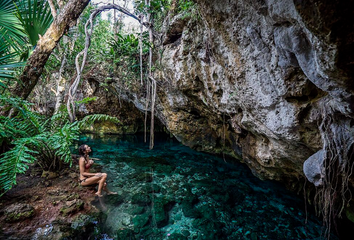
(88, 165)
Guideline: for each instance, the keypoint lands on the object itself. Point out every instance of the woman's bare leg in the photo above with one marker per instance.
(100, 179)
(105, 188)
(101, 184)
(91, 181)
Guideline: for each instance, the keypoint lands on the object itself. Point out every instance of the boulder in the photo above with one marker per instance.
(314, 169)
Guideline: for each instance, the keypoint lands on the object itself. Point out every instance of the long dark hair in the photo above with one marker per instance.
(82, 151)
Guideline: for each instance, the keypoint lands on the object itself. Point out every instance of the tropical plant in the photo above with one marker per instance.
(30, 137)
(157, 8)
(185, 5)
(126, 50)
(35, 17)
(11, 39)
(21, 23)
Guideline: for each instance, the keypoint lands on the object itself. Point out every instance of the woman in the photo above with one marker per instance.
(87, 178)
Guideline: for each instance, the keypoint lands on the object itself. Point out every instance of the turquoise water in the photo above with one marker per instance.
(173, 192)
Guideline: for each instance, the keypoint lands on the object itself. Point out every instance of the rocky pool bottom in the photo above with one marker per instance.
(173, 192)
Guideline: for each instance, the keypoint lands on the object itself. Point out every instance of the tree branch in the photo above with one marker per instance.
(88, 32)
(52, 9)
(46, 45)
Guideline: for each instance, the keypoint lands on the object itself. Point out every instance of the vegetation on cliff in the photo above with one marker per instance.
(48, 51)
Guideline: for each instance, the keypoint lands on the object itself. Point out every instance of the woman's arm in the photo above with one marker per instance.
(82, 168)
(89, 164)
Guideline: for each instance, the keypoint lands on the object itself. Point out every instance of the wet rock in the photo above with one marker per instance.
(115, 200)
(185, 233)
(161, 208)
(125, 233)
(143, 177)
(72, 207)
(81, 227)
(140, 199)
(18, 212)
(140, 221)
(134, 210)
(207, 211)
(177, 236)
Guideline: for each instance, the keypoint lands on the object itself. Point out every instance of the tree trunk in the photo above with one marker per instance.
(46, 45)
(60, 85)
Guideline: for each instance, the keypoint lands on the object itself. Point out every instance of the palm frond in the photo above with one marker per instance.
(35, 16)
(8, 58)
(9, 23)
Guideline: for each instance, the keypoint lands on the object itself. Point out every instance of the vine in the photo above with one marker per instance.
(88, 32)
(334, 194)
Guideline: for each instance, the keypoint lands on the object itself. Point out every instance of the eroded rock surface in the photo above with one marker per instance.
(248, 78)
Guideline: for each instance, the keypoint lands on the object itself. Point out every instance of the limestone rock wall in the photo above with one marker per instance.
(250, 77)
(108, 100)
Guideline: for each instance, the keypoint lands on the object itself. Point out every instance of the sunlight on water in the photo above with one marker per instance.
(173, 192)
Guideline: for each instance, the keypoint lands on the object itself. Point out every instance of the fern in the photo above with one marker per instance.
(31, 137)
(15, 161)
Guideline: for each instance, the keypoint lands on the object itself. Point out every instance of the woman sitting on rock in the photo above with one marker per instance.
(87, 178)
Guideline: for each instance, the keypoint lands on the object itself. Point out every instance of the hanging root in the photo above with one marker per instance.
(334, 194)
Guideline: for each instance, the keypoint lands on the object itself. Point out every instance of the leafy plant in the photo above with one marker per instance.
(35, 17)
(30, 137)
(11, 38)
(158, 10)
(126, 48)
(185, 5)
(21, 23)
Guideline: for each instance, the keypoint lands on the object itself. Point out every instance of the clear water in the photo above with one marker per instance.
(173, 192)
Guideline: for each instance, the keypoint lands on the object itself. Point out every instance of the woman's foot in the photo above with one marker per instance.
(98, 194)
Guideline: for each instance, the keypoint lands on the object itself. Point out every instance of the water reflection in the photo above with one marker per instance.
(173, 192)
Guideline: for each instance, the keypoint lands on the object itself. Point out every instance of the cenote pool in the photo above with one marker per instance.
(173, 192)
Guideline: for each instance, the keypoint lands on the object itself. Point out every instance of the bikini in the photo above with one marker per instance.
(87, 166)
(82, 180)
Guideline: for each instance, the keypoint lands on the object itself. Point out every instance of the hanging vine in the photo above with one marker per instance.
(334, 194)
(88, 32)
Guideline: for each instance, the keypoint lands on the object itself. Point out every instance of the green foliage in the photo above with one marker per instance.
(127, 53)
(185, 5)
(35, 17)
(158, 10)
(15, 161)
(11, 29)
(99, 48)
(30, 137)
(90, 119)
(21, 22)
(11, 38)
(86, 100)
